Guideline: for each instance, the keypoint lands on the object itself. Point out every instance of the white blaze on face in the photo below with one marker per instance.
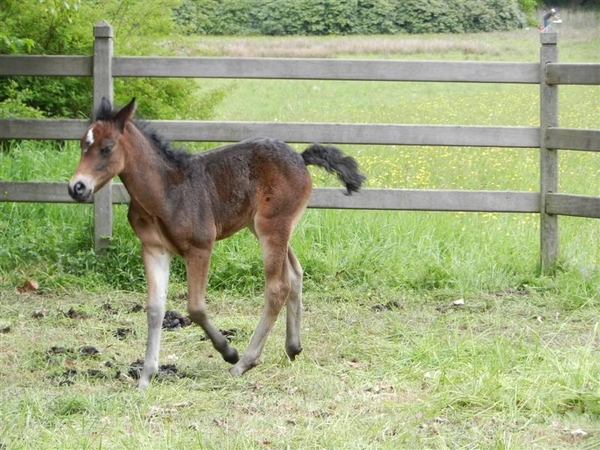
(89, 139)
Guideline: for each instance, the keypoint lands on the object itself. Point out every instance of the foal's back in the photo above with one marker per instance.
(257, 177)
(251, 160)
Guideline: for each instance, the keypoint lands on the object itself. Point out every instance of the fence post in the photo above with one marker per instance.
(548, 156)
(103, 87)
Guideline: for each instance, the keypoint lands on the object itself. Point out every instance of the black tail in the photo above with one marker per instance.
(333, 160)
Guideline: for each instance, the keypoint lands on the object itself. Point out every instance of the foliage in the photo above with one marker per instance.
(53, 27)
(48, 27)
(529, 9)
(528, 6)
(16, 103)
(310, 17)
(9, 45)
(376, 17)
(438, 16)
(569, 3)
(331, 17)
(214, 17)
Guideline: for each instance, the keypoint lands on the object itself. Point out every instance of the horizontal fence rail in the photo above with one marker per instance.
(573, 205)
(573, 139)
(368, 199)
(103, 67)
(306, 69)
(63, 66)
(62, 129)
(277, 68)
(569, 73)
(340, 133)
(328, 69)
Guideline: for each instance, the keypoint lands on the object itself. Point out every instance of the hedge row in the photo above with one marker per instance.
(326, 17)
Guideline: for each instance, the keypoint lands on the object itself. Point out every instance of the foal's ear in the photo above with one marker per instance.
(125, 114)
(105, 104)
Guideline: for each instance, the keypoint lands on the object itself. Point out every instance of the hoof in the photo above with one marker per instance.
(240, 369)
(293, 351)
(236, 371)
(143, 384)
(231, 356)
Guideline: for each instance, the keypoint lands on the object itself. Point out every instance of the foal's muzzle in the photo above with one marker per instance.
(80, 192)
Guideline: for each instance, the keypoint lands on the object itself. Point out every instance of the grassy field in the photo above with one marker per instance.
(422, 330)
(512, 369)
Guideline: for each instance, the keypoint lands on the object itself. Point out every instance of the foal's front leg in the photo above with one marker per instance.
(156, 263)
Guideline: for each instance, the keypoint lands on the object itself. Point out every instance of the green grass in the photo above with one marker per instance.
(380, 369)
(389, 360)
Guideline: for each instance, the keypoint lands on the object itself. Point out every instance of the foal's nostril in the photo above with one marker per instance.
(79, 189)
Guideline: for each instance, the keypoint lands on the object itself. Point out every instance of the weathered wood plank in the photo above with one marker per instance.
(119, 194)
(573, 205)
(271, 68)
(384, 134)
(43, 192)
(48, 192)
(573, 139)
(103, 88)
(42, 128)
(208, 131)
(33, 192)
(72, 66)
(328, 69)
(548, 156)
(428, 200)
(573, 73)
(367, 199)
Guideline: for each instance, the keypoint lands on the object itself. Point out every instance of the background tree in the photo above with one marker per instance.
(319, 17)
(53, 27)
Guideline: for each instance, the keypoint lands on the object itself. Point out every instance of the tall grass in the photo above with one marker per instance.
(456, 252)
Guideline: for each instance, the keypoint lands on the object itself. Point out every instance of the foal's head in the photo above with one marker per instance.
(102, 151)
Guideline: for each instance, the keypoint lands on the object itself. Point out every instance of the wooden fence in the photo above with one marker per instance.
(103, 66)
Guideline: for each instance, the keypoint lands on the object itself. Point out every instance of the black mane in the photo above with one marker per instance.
(176, 155)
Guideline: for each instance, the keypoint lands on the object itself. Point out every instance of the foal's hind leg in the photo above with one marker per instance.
(197, 265)
(294, 307)
(277, 290)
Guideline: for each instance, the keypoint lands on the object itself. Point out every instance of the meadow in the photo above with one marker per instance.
(421, 330)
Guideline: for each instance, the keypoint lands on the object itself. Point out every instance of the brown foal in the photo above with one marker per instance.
(181, 203)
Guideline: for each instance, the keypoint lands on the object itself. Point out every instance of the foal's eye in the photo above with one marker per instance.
(106, 149)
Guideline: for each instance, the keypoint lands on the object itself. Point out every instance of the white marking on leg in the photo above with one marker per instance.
(294, 307)
(157, 273)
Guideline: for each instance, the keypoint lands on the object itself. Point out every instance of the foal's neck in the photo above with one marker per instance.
(145, 171)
